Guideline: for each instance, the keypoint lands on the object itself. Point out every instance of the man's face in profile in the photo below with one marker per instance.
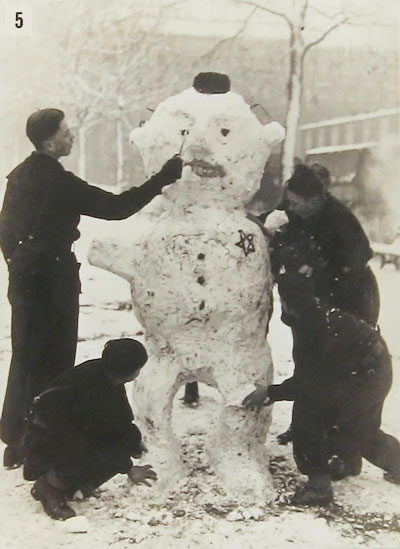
(60, 144)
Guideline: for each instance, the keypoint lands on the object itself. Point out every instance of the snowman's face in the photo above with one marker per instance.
(223, 145)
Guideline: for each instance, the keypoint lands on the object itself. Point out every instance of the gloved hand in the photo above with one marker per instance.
(171, 171)
(257, 399)
(258, 222)
(140, 474)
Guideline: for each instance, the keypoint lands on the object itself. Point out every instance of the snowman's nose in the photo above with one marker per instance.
(197, 146)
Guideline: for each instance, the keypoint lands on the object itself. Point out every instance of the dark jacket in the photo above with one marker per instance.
(84, 398)
(44, 200)
(81, 419)
(333, 350)
(335, 245)
(342, 241)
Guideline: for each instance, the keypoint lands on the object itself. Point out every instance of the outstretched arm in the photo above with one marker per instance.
(96, 202)
(267, 395)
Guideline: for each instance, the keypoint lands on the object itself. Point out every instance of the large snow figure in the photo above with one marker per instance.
(200, 279)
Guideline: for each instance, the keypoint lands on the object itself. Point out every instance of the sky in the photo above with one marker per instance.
(224, 17)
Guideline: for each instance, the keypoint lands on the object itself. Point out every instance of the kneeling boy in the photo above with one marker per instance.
(342, 375)
(81, 432)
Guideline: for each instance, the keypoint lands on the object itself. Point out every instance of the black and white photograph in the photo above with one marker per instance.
(200, 274)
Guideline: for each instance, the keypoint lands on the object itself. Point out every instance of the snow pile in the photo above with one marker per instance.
(367, 509)
(201, 282)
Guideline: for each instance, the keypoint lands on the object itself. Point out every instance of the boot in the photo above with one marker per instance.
(12, 457)
(393, 475)
(285, 437)
(340, 468)
(52, 499)
(317, 491)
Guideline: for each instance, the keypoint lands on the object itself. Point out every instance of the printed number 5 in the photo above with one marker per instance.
(19, 22)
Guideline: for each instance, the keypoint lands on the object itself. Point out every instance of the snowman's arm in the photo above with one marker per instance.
(266, 232)
(114, 256)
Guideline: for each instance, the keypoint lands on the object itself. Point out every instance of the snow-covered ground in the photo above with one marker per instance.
(199, 515)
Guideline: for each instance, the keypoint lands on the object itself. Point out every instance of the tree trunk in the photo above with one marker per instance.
(294, 86)
(120, 152)
(292, 120)
(82, 153)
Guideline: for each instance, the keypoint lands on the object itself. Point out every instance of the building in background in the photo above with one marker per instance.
(350, 147)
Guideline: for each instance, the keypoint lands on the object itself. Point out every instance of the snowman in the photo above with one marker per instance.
(200, 280)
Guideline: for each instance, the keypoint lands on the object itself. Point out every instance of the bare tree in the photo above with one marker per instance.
(297, 18)
(111, 60)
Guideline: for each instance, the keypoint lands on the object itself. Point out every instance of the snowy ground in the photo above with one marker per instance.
(198, 515)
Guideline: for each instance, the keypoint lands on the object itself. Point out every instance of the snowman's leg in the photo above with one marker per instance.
(153, 396)
(238, 453)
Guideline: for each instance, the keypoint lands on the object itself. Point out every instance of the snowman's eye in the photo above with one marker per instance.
(224, 131)
(184, 132)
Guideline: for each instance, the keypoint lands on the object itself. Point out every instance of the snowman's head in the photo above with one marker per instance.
(223, 145)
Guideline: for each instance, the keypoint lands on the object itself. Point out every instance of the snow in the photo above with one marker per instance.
(196, 327)
(195, 125)
(198, 514)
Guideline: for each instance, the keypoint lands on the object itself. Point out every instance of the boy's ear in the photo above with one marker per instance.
(47, 145)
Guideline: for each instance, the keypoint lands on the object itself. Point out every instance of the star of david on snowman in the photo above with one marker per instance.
(246, 242)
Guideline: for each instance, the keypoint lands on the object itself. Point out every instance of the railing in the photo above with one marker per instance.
(349, 132)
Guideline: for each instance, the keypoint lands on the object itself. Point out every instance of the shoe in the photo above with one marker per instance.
(53, 500)
(194, 404)
(311, 495)
(285, 437)
(340, 469)
(12, 458)
(392, 477)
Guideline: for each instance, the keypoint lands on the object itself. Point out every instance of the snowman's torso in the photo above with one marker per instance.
(205, 269)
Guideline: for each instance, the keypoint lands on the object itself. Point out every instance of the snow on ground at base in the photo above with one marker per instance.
(198, 514)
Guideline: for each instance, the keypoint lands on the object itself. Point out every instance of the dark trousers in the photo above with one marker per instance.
(191, 393)
(343, 419)
(101, 463)
(360, 299)
(44, 329)
(79, 459)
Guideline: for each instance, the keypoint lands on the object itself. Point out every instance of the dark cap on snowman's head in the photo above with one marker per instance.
(211, 82)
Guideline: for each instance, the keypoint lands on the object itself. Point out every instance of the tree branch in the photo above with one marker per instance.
(324, 13)
(323, 36)
(211, 52)
(269, 10)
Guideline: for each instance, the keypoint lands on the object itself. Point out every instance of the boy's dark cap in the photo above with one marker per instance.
(322, 172)
(43, 124)
(211, 82)
(124, 355)
(304, 182)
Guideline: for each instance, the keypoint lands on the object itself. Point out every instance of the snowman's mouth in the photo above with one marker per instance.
(204, 169)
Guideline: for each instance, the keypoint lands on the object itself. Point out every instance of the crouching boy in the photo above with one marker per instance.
(80, 431)
(342, 375)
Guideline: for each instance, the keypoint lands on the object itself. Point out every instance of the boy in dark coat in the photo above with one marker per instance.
(80, 431)
(335, 251)
(38, 224)
(339, 249)
(342, 376)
